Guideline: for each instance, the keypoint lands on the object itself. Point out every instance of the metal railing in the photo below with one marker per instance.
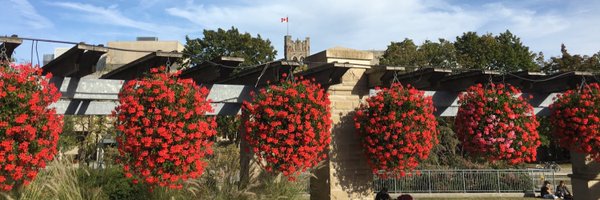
(467, 181)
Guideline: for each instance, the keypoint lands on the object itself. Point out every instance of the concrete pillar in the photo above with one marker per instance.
(585, 179)
(349, 176)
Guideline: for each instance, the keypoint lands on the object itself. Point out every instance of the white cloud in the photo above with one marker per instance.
(373, 24)
(112, 16)
(29, 14)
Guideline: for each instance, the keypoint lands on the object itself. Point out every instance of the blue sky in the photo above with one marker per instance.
(359, 24)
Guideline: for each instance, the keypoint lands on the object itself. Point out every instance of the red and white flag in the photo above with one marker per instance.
(284, 19)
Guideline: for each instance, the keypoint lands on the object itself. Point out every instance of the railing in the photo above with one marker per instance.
(467, 181)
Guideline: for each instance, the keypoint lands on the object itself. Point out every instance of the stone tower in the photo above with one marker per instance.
(296, 50)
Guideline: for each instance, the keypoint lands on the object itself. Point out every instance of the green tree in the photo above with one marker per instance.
(512, 55)
(403, 53)
(568, 62)
(255, 50)
(474, 51)
(502, 52)
(438, 54)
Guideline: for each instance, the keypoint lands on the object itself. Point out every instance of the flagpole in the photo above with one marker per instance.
(287, 24)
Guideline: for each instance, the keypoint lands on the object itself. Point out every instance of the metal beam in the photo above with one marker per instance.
(563, 81)
(461, 81)
(423, 79)
(326, 74)
(446, 102)
(78, 61)
(209, 72)
(10, 44)
(142, 65)
(93, 107)
(268, 72)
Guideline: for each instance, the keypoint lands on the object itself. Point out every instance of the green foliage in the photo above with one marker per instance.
(438, 54)
(60, 180)
(255, 50)
(470, 51)
(568, 62)
(512, 55)
(69, 138)
(401, 54)
(112, 182)
(228, 129)
(429, 54)
(502, 52)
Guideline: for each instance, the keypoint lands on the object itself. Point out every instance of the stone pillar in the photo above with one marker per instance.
(585, 178)
(349, 175)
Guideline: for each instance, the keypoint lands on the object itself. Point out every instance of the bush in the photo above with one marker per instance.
(112, 182)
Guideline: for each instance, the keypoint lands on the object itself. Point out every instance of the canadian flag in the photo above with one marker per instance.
(284, 19)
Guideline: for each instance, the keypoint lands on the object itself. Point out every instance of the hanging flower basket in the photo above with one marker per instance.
(287, 126)
(576, 120)
(397, 129)
(492, 123)
(164, 134)
(28, 128)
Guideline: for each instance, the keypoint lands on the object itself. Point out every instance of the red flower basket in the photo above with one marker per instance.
(28, 128)
(164, 134)
(287, 126)
(576, 120)
(397, 129)
(493, 123)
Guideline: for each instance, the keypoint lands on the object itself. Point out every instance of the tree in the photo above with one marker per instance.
(401, 54)
(512, 55)
(568, 62)
(255, 50)
(442, 54)
(429, 54)
(503, 52)
(474, 51)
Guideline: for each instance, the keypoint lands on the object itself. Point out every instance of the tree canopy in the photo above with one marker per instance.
(568, 62)
(255, 50)
(470, 51)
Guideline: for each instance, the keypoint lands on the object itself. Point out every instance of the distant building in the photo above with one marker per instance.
(115, 58)
(296, 50)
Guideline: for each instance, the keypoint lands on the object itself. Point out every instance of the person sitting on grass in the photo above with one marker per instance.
(547, 191)
(562, 191)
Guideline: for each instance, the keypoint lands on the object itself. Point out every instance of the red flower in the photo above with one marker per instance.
(162, 141)
(493, 123)
(576, 120)
(397, 129)
(290, 132)
(28, 129)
